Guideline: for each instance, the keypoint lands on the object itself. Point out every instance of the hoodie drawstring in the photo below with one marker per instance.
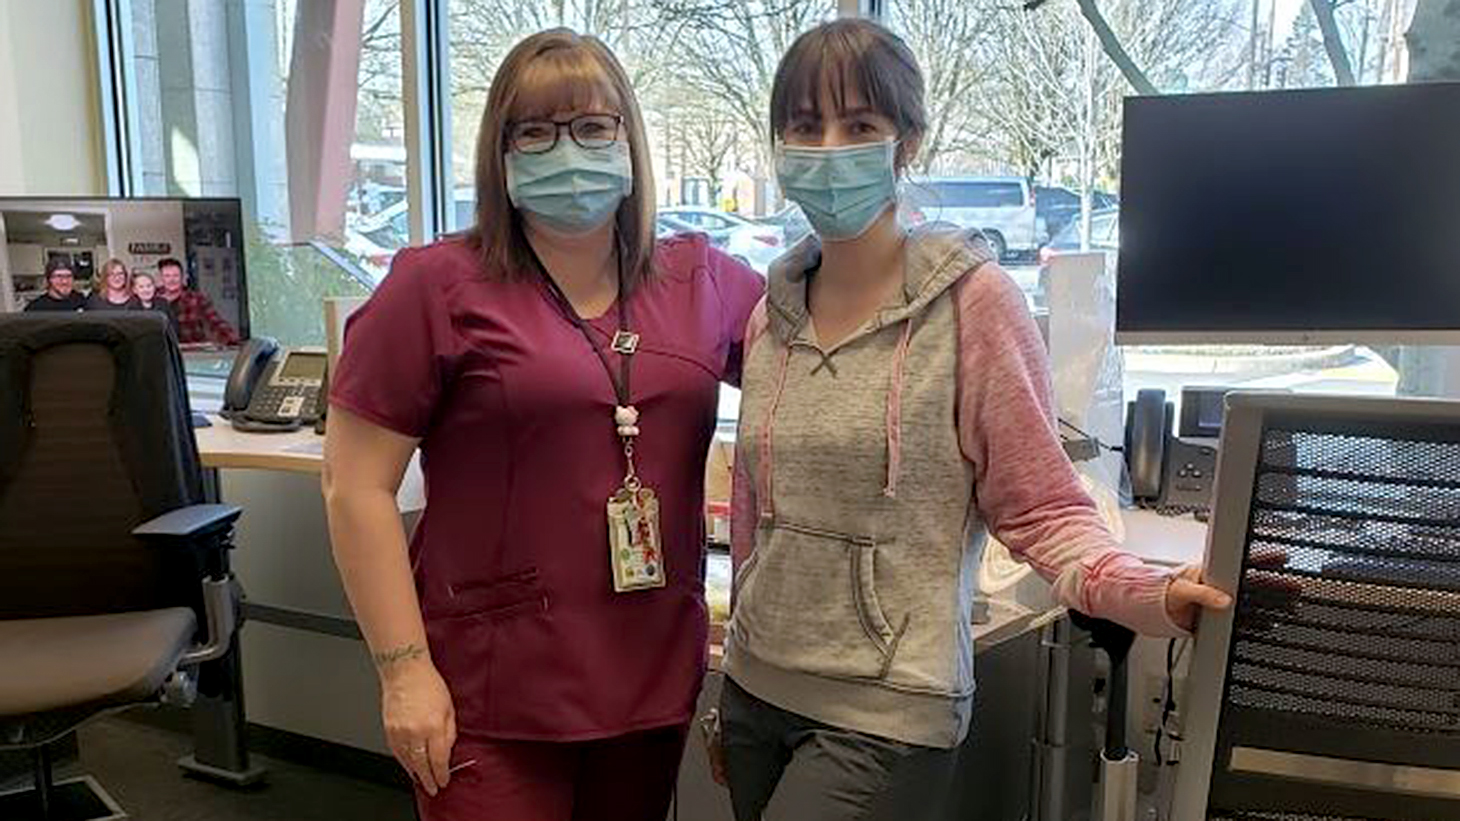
(764, 503)
(894, 410)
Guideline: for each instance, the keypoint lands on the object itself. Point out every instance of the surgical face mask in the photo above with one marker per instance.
(843, 190)
(571, 188)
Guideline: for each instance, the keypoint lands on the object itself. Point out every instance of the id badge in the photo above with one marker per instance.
(633, 540)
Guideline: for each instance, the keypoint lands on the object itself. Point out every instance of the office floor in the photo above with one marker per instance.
(136, 764)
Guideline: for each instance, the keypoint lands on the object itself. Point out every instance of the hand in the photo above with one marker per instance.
(717, 763)
(1186, 594)
(714, 746)
(1266, 587)
(420, 722)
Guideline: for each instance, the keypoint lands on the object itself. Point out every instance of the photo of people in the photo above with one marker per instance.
(60, 293)
(182, 258)
(111, 289)
(144, 286)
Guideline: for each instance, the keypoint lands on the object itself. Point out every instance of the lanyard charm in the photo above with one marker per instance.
(627, 419)
(625, 343)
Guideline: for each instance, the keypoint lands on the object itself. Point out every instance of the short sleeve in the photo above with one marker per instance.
(741, 289)
(400, 350)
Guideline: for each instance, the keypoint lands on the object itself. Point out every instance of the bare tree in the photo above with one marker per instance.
(380, 102)
(1033, 98)
(706, 136)
(1110, 42)
(1434, 41)
(729, 49)
(946, 36)
(1333, 41)
(483, 31)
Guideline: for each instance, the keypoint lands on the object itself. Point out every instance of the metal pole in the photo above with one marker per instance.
(43, 784)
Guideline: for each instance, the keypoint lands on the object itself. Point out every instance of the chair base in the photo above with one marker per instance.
(75, 799)
(233, 778)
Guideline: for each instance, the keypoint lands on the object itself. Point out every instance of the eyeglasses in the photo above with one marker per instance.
(591, 131)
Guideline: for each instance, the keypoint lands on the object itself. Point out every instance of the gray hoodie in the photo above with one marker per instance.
(867, 476)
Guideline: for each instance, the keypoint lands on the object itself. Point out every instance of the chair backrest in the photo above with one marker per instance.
(1332, 689)
(95, 438)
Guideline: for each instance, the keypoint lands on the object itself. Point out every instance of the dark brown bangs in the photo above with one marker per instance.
(852, 59)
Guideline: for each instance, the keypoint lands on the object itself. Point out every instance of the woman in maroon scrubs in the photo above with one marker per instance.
(541, 641)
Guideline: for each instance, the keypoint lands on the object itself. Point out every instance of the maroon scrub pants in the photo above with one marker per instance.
(625, 778)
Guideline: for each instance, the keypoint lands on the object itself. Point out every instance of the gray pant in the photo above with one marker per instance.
(786, 767)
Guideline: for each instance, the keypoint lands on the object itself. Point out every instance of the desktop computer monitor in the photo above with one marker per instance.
(185, 252)
(1312, 216)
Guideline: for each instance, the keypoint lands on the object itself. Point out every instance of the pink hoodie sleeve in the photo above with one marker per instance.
(1025, 487)
(743, 509)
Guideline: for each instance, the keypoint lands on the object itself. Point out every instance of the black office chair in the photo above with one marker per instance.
(1332, 690)
(109, 560)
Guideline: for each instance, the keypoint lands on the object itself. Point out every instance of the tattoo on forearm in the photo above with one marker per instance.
(389, 658)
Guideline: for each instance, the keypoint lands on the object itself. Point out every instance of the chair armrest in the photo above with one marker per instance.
(190, 523)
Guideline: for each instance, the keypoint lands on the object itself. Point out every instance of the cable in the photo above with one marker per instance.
(1165, 703)
(1168, 697)
(1083, 435)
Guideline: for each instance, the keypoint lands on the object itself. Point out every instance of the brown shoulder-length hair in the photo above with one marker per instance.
(852, 55)
(98, 280)
(552, 71)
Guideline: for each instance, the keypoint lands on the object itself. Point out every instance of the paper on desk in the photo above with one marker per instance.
(313, 448)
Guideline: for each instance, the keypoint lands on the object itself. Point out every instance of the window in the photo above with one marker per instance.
(1030, 93)
(297, 111)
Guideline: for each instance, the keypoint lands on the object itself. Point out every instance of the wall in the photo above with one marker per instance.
(50, 127)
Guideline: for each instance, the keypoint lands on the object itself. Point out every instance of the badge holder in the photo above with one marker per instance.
(634, 549)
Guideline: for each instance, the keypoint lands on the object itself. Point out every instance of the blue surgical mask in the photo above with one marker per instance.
(571, 188)
(843, 190)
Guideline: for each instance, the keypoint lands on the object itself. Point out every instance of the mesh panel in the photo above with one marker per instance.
(1360, 623)
(1282, 817)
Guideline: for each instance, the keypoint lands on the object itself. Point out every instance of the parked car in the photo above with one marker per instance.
(754, 244)
(1104, 235)
(669, 226)
(792, 222)
(1057, 205)
(392, 227)
(1002, 207)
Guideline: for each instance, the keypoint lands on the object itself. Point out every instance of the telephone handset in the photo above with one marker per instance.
(1167, 472)
(1147, 427)
(248, 366)
(275, 390)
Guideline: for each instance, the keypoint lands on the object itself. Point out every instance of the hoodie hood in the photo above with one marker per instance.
(937, 255)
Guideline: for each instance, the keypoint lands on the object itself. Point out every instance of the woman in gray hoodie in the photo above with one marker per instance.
(896, 410)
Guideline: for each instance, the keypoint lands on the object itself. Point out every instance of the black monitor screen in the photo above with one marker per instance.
(182, 257)
(1252, 215)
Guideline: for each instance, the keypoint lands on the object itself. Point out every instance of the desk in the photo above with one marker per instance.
(303, 665)
(1165, 540)
(301, 451)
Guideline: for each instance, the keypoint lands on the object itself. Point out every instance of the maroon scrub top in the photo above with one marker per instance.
(520, 452)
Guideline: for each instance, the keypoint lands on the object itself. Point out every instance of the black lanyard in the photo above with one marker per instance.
(621, 381)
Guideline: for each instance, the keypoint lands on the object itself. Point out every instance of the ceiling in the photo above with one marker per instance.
(31, 227)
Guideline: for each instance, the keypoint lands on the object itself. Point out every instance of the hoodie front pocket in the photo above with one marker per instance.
(812, 605)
